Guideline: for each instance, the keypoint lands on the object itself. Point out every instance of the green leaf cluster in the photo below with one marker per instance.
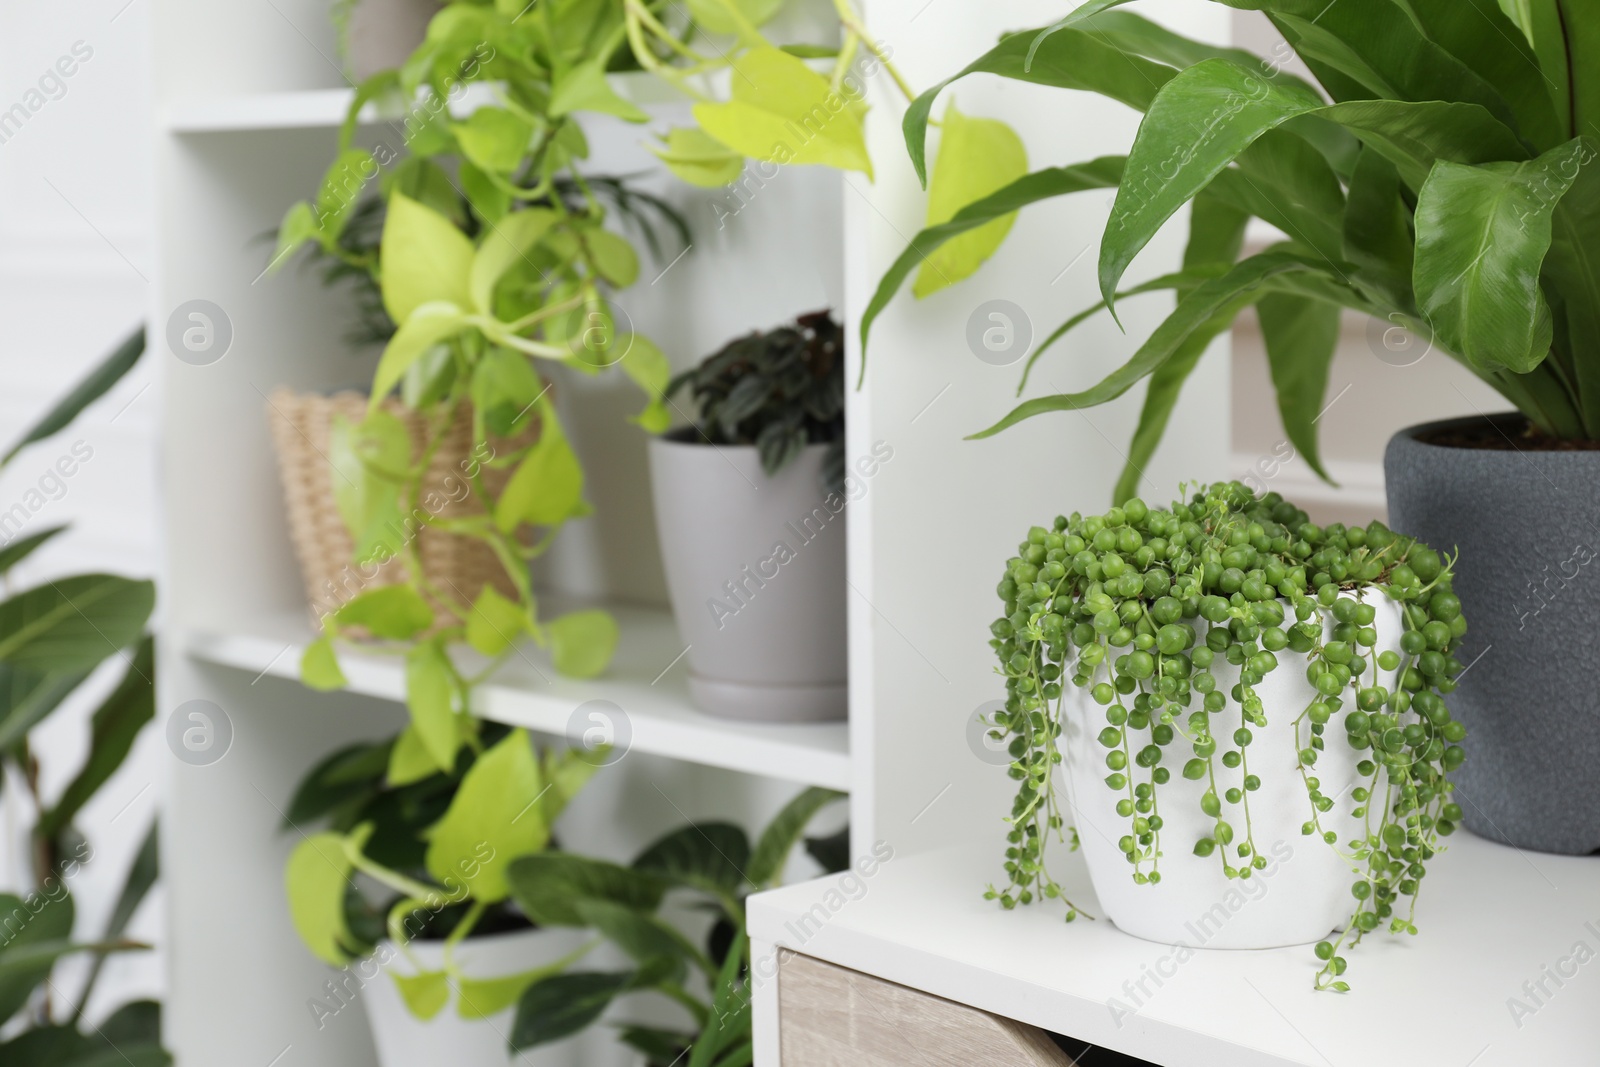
(1153, 611)
(1437, 174)
(53, 636)
(714, 864)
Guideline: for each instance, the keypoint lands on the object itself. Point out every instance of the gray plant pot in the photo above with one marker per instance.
(382, 34)
(1529, 582)
(756, 569)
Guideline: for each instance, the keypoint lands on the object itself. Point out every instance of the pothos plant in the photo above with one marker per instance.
(496, 261)
(1436, 176)
(411, 852)
(714, 867)
(1138, 604)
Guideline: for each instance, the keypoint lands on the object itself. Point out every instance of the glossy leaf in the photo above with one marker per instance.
(1230, 294)
(506, 244)
(112, 730)
(396, 612)
(427, 325)
(425, 994)
(73, 624)
(711, 856)
(784, 112)
(315, 878)
(564, 1004)
(430, 698)
(1482, 236)
(977, 157)
(424, 259)
(550, 885)
(494, 818)
(784, 832)
(495, 622)
(1103, 173)
(696, 157)
(547, 486)
(582, 642)
(1301, 336)
(319, 666)
(494, 139)
(1377, 229)
(91, 388)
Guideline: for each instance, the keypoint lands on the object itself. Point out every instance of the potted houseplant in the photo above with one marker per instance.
(1437, 177)
(53, 636)
(405, 888)
(750, 510)
(711, 866)
(1172, 658)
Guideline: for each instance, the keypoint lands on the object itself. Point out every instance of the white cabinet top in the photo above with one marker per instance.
(1505, 970)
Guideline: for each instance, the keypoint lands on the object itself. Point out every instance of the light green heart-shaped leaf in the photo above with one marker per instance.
(315, 878)
(424, 259)
(409, 760)
(505, 244)
(319, 666)
(613, 257)
(976, 157)
(494, 139)
(547, 487)
(495, 622)
(430, 698)
(582, 643)
(784, 112)
(698, 158)
(428, 325)
(585, 88)
(396, 612)
(425, 994)
(494, 818)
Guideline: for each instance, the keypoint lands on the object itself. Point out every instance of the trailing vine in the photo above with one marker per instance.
(1141, 602)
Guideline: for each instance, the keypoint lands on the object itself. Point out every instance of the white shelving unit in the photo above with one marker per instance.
(248, 101)
(1498, 918)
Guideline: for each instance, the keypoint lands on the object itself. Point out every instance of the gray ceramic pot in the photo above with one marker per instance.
(382, 34)
(756, 569)
(1528, 528)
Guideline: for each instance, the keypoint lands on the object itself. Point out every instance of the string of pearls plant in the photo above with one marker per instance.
(1157, 596)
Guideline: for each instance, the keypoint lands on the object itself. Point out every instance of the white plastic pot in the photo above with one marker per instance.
(1304, 891)
(403, 1040)
(756, 569)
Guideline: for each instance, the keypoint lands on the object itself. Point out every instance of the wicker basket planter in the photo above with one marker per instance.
(458, 566)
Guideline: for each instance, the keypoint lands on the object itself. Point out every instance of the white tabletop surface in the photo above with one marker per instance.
(1491, 918)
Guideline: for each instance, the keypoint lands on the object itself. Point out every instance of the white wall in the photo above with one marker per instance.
(74, 258)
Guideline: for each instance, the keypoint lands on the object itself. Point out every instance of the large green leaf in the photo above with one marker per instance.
(976, 157)
(494, 818)
(1071, 59)
(641, 935)
(582, 642)
(1490, 45)
(431, 700)
(1227, 295)
(74, 623)
(710, 856)
(784, 112)
(1199, 123)
(95, 385)
(1301, 336)
(1377, 230)
(36, 933)
(424, 259)
(784, 832)
(17, 551)
(1482, 236)
(27, 696)
(564, 1004)
(112, 730)
(315, 879)
(550, 885)
(547, 487)
(505, 244)
(428, 324)
(1102, 173)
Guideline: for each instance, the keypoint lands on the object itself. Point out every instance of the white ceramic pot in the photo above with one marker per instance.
(756, 568)
(1304, 891)
(403, 1040)
(382, 34)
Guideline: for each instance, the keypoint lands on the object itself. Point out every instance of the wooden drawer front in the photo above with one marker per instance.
(829, 1016)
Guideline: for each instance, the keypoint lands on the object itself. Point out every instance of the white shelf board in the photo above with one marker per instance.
(1491, 918)
(326, 108)
(647, 681)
